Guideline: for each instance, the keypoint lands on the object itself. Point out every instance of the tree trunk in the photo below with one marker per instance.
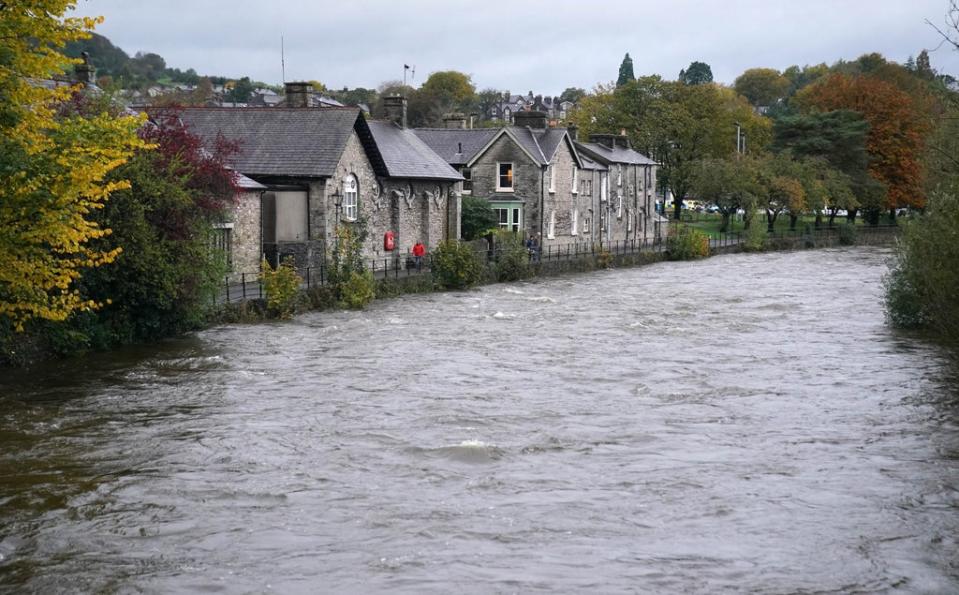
(818, 223)
(832, 215)
(793, 219)
(771, 220)
(724, 227)
(677, 209)
(892, 215)
(851, 217)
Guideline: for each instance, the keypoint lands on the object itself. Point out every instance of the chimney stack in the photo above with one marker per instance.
(531, 119)
(395, 107)
(84, 72)
(454, 120)
(298, 94)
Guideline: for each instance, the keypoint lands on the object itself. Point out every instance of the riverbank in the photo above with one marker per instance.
(245, 304)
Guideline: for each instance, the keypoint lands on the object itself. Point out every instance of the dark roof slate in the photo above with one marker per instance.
(278, 141)
(405, 155)
(615, 155)
(447, 142)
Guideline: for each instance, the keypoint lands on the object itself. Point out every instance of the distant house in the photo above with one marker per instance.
(321, 167)
(529, 172)
(554, 109)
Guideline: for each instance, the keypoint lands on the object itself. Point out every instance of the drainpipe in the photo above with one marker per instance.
(542, 207)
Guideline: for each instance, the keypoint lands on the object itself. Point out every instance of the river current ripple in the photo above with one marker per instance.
(743, 423)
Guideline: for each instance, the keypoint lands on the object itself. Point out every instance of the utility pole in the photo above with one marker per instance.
(739, 137)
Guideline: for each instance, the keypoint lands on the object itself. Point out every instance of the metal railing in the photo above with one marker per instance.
(244, 286)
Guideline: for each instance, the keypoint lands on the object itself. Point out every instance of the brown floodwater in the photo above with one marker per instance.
(746, 423)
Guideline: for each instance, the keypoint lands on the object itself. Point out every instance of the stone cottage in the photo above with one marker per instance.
(625, 202)
(321, 167)
(529, 172)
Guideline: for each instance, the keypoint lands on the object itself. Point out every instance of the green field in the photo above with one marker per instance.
(709, 223)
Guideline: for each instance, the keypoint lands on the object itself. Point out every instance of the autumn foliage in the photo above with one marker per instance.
(54, 168)
(898, 127)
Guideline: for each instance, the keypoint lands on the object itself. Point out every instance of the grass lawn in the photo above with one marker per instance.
(709, 223)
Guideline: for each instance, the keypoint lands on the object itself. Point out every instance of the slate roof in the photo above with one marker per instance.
(615, 155)
(404, 155)
(447, 142)
(542, 143)
(591, 163)
(278, 141)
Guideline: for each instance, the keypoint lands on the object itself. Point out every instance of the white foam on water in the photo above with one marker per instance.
(501, 316)
(542, 299)
(513, 291)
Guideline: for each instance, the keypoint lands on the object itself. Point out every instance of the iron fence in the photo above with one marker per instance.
(245, 286)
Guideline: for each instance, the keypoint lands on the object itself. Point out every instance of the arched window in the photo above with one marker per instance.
(351, 192)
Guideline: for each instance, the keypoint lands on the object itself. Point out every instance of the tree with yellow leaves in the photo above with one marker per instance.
(53, 166)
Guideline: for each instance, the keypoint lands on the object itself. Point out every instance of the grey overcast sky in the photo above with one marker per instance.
(518, 46)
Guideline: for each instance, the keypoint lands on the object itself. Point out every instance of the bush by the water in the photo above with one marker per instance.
(754, 238)
(456, 265)
(281, 286)
(923, 284)
(358, 290)
(847, 234)
(687, 244)
(512, 256)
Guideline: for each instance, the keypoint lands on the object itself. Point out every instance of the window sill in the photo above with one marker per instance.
(504, 189)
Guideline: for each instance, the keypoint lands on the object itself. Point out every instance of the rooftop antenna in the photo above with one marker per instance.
(282, 60)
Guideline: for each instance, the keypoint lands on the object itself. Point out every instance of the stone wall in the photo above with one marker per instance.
(246, 239)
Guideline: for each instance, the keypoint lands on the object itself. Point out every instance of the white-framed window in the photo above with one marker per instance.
(619, 175)
(574, 222)
(604, 220)
(587, 221)
(509, 217)
(504, 177)
(551, 230)
(467, 180)
(603, 186)
(551, 172)
(629, 221)
(575, 180)
(351, 198)
(619, 205)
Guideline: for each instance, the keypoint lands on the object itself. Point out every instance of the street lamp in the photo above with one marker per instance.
(338, 203)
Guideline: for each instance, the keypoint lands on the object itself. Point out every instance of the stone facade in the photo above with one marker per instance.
(561, 203)
(528, 178)
(624, 195)
(245, 237)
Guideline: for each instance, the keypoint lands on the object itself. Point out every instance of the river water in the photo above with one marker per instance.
(743, 423)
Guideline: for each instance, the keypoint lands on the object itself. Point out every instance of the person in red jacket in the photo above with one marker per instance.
(419, 251)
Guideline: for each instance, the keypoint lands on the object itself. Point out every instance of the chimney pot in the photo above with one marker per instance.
(395, 107)
(454, 120)
(298, 94)
(531, 119)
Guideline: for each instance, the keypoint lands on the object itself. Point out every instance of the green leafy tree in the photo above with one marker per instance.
(573, 94)
(625, 71)
(762, 86)
(729, 184)
(240, 91)
(478, 217)
(697, 73)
